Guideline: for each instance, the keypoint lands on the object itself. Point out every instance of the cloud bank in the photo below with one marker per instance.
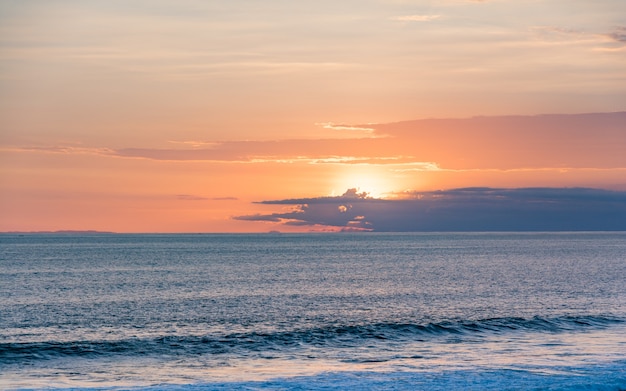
(465, 209)
(505, 142)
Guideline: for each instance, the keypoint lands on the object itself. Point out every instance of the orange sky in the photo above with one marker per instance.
(175, 116)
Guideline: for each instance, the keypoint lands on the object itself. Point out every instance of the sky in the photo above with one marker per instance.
(255, 116)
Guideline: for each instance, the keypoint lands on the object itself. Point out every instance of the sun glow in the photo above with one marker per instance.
(374, 181)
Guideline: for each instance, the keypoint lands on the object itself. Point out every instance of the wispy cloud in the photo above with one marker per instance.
(480, 143)
(62, 149)
(557, 33)
(614, 40)
(465, 209)
(396, 161)
(544, 142)
(330, 125)
(189, 197)
(556, 142)
(618, 34)
(416, 18)
(417, 166)
(274, 218)
(195, 144)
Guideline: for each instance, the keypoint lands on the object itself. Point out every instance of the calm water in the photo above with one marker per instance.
(314, 311)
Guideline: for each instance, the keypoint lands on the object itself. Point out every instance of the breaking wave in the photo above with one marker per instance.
(328, 336)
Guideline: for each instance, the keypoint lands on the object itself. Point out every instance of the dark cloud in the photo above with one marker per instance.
(259, 217)
(325, 211)
(468, 209)
(350, 196)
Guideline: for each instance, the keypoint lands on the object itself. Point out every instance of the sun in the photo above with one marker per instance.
(376, 182)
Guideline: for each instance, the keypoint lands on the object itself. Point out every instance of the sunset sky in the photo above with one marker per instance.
(241, 116)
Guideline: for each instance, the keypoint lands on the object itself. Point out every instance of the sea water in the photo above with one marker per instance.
(313, 311)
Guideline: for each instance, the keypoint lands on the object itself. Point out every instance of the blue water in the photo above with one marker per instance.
(430, 311)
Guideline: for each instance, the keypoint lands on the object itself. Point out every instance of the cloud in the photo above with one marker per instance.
(62, 149)
(189, 197)
(479, 143)
(330, 125)
(465, 209)
(259, 217)
(416, 18)
(418, 167)
(542, 142)
(612, 41)
(618, 34)
(409, 161)
(320, 211)
(195, 144)
(512, 142)
(555, 33)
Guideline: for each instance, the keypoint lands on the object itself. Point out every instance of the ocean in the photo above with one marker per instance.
(319, 311)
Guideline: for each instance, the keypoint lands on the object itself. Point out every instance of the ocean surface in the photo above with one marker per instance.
(473, 311)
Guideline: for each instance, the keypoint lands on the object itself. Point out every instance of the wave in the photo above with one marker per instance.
(329, 336)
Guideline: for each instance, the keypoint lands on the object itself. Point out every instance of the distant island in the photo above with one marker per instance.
(64, 232)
